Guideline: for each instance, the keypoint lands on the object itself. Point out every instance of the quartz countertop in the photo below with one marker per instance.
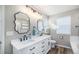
(35, 39)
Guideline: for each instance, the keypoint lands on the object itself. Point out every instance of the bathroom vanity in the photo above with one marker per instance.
(35, 45)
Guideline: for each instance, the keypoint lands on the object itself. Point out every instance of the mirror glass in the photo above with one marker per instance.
(40, 25)
(22, 22)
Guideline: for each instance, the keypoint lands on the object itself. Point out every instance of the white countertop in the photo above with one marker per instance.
(74, 40)
(19, 45)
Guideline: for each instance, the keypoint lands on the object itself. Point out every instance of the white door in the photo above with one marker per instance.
(1, 29)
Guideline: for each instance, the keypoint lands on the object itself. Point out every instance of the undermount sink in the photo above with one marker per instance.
(27, 41)
(21, 44)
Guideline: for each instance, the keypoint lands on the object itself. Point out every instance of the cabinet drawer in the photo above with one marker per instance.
(34, 49)
(31, 48)
(43, 46)
(44, 41)
(43, 51)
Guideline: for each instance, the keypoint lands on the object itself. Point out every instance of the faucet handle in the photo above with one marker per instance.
(24, 37)
(20, 39)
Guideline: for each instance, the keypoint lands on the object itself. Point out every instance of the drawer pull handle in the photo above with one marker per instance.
(49, 43)
(43, 46)
(33, 53)
(32, 48)
(43, 50)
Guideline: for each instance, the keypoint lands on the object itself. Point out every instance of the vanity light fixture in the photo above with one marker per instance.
(33, 13)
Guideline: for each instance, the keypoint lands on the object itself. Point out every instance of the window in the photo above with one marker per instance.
(64, 25)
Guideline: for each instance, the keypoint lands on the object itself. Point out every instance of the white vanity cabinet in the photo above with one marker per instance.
(41, 45)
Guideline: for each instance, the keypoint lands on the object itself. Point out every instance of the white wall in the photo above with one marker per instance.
(74, 31)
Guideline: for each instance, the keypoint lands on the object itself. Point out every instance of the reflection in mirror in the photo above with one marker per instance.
(46, 24)
(46, 27)
(40, 26)
(22, 23)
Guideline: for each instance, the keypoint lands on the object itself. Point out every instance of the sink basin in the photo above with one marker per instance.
(19, 45)
(27, 41)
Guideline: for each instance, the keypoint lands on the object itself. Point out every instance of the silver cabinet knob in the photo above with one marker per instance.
(32, 49)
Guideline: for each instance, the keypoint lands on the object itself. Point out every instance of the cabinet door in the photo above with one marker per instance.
(43, 46)
(21, 51)
(47, 45)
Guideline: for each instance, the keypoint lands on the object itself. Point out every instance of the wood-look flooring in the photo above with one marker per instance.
(56, 51)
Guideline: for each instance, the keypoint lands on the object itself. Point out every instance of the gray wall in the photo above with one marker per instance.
(9, 18)
(2, 33)
(74, 31)
(9, 26)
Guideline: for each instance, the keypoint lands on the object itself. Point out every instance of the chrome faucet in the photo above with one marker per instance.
(25, 37)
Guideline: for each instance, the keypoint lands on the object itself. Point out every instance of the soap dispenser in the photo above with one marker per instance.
(33, 32)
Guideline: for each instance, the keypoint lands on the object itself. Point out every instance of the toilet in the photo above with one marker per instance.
(53, 42)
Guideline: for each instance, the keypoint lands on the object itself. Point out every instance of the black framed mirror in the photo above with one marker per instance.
(21, 23)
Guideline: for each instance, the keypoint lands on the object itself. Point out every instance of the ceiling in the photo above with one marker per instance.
(53, 9)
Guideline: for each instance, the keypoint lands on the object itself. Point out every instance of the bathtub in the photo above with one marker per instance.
(74, 41)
